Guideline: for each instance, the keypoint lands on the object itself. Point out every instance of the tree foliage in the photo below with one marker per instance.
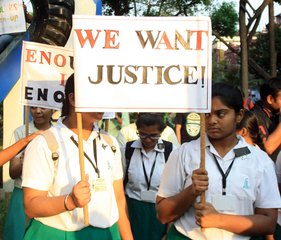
(224, 19)
(153, 7)
(259, 50)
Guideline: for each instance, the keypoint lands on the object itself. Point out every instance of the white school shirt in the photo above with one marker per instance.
(39, 171)
(136, 177)
(278, 173)
(252, 180)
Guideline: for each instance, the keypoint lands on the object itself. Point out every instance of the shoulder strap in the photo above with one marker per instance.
(52, 143)
(128, 155)
(108, 140)
(168, 149)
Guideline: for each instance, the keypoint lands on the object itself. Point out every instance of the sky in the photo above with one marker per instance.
(256, 4)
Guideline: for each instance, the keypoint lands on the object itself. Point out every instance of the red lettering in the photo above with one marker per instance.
(110, 39)
(89, 37)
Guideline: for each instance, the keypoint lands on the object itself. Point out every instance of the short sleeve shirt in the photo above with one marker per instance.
(252, 181)
(40, 173)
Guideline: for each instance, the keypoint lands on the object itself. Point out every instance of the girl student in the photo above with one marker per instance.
(241, 190)
(53, 194)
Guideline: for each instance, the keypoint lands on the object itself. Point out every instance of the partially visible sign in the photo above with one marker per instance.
(142, 64)
(44, 71)
(12, 19)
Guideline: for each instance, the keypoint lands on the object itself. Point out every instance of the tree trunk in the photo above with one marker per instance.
(271, 31)
(244, 48)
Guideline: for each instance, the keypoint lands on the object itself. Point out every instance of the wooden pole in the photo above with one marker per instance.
(202, 149)
(81, 161)
(26, 121)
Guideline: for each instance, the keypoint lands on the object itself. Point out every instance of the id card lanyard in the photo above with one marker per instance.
(148, 181)
(224, 175)
(95, 166)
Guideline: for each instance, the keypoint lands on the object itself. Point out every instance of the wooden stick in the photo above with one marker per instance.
(26, 120)
(81, 161)
(202, 148)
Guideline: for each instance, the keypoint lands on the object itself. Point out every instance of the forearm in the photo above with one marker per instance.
(252, 225)
(171, 208)
(123, 222)
(273, 141)
(43, 206)
(10, 152)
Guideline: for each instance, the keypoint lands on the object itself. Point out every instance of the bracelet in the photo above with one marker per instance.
(65, 202)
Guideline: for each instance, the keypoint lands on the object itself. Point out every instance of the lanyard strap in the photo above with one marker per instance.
(148, 182)
(88, 158)
(224, 175)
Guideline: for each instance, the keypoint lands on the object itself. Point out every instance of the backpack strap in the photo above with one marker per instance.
(168, 149)
(128, 155)
(108, 140)
(52, 143)
(129, 150)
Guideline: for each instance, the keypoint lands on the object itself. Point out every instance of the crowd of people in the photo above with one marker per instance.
(144, 180)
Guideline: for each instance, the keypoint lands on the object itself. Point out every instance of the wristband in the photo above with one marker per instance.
(65, 202)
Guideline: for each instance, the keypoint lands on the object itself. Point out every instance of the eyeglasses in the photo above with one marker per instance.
(151, 136)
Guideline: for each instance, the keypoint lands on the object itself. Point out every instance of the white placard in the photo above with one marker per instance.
(128, 64)
(12, 17)
(44, 71)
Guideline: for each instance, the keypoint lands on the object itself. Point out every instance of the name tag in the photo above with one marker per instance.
(99, 185)
(224, 202)
(148, 196)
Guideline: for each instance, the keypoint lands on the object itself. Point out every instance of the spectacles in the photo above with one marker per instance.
(151, 136)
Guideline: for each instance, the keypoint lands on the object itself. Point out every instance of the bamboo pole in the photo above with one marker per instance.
(202, 149)
(81, 161)
(26, 121)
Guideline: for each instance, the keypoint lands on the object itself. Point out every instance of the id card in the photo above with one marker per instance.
(224, 202)
(99, 185)
(148, 196)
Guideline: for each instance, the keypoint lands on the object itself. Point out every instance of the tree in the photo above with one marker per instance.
(153, 7)
(224, 19)
(259, 50)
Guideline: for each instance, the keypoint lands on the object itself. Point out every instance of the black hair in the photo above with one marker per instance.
(230, 96)
(150, 119)
(270, 87)
(69, 88)
(250, 122)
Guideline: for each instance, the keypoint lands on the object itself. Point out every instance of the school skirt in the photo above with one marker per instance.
(16, 220)
(38, 231)
(143, 220)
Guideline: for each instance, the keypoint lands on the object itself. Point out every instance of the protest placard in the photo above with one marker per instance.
(12, 19)
(44, 70)
(142, 64)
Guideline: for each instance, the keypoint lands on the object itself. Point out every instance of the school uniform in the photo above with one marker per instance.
(16, 221)
(251, 183)
(144, 173)
(60, 177)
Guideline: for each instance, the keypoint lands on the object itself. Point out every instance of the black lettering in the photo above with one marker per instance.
(58, 96)
(28, 93)
(42, 94)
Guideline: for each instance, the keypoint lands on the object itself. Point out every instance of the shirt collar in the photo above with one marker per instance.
(137, 144)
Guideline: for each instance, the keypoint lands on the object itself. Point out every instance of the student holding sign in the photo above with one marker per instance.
(53, 192)
(239, 182)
